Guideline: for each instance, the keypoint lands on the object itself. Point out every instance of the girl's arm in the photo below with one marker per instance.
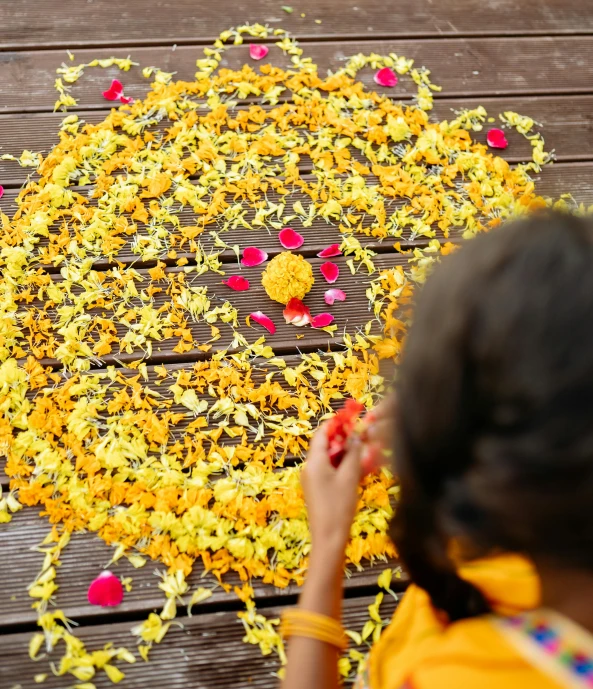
(331, 495)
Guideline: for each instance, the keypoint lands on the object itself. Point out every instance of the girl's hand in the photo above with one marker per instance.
(331, 495)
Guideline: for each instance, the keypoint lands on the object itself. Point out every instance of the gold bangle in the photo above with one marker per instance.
(312, 625)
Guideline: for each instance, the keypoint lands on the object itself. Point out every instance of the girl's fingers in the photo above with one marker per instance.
(350, 466)
(318, 444)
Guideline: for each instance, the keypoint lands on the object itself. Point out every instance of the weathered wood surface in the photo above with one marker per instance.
(463, 67)
(568, 130)
(552, 182)
(102, 22)
(87, 554)
(205, 652)
(348, 315)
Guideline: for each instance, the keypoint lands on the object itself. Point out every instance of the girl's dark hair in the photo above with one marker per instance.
(494, 446)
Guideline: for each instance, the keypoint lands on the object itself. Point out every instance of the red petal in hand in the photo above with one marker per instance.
(258, 52)
(322, 320)
(496, 139)
(330, 271)
(106, 590)
(332, 250)
(297, 313)
(115, 91)
(339, 428)
(1, 191)
(333, 295)
(252, 256)
(385, 77)
(290, 239)
(237, 283)
(261, 318)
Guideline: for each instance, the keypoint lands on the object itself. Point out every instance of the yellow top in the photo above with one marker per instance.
(419, 651)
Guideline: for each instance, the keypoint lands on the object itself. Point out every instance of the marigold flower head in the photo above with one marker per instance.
(287, 276)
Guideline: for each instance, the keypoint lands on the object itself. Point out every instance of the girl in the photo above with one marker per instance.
(493, 448)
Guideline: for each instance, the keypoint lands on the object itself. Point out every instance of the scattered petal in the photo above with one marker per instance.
(290, 239)
(261, 318)
(496, 139)
(322, 320)
(332, 295)
(1, 191)
(385, 77)
(252, 256)
(258, 52)
(106, 590)
(287, 9)
(330, 271)
(126, 100)
(237, 283)
(297, 313)
(115, 91)
(332, 250)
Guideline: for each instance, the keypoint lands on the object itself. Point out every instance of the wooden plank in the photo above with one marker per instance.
(485, 67)
(40, 22)
(207, 651)
(568, 130)
(553, 181)
(87, 555)
(348, 315)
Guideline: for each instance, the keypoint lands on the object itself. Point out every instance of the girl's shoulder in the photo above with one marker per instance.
(533, 650)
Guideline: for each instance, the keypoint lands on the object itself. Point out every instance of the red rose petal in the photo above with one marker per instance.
(237, 283)
(332, 250)
(385, 77)
(290, 239)
(322, 320)
(297, 313)
(261, 318)
(106, 590)
(332, 295)
(330, 271)
(126, 100)
(496, 139)
(252, 256)
(258, 52)
(1, 191)
(339, 428)
(115, 91)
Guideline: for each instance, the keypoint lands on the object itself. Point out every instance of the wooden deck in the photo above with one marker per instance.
(534, 58)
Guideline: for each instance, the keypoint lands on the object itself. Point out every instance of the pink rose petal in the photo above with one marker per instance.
(322, 320)
(1, 191)
(258, 52)
(330, 271)
(332, 295)
(115, 91)
(126, 100)
(290, 239)
(332, 250)
(237, 283)
(252, 256)
(496, 139)
(385, 77)
(106, 590)
(261, 318)
(297, 313)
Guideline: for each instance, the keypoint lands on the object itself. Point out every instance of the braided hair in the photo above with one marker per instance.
(494, 441)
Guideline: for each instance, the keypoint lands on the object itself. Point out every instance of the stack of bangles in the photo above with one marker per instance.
(312, 625)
